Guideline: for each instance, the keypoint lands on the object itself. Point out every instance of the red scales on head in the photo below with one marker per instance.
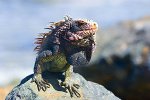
(82, 29)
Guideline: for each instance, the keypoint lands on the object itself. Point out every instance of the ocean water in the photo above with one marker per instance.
(21, 20)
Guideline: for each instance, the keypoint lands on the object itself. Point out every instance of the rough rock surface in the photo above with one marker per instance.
(89, 90)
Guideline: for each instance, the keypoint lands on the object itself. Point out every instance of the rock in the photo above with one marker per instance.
(89, 90)
(126, 38)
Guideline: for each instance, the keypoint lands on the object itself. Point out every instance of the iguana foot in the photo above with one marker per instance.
(41, 83)
(71, 87)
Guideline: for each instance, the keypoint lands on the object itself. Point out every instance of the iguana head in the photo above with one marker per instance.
(78, 32)
(80, 29)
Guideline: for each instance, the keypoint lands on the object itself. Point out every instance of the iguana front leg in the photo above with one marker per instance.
(38, 69)
(69, 84)
(40, 82)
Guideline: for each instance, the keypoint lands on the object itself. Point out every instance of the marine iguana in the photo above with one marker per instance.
(68, 43)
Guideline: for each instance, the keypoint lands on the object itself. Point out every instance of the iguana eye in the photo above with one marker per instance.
(80, 23)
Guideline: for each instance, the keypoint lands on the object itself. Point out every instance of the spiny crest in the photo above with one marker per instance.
(39, 40)
(51, 27)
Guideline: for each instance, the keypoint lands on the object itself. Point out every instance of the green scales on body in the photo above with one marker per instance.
(57, 62)
(68, 43)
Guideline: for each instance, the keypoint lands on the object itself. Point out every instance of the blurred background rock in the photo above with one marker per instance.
(121, 61)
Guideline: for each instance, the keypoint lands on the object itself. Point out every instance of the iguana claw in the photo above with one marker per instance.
(41, 84)
(72, 88)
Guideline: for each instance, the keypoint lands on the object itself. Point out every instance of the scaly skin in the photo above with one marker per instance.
(69, 43)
